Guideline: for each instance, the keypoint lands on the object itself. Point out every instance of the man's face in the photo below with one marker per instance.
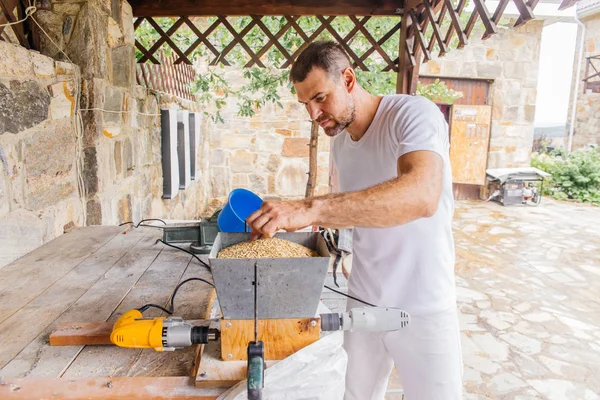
(327, 100)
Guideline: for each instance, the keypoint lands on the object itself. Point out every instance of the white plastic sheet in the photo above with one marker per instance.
(313, 373)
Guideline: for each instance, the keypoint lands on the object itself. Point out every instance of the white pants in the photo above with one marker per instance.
(427, 355)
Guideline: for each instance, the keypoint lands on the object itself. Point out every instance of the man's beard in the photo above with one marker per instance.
(345, 120)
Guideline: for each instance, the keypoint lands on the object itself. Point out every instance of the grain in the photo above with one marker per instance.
(267, 248)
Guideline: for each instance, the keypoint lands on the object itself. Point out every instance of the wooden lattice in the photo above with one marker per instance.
(418, 40)
(273, 40)
(167, 77)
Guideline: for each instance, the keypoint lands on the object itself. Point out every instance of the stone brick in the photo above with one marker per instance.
(20, 232)
(22, 105)
(124, 212)
(284, 132)
(88, 46)
(295, 147)
(67, 8)
(529, 113)
(15, 61)
(4, 190)
(115, 36)
(90, 170)
(123, 65)
(240, 181)
(217, 157)
(274, 163)
(242, 161)
(113, 101)
(291, 178)
(128, 157)
(62, 104)
(220, 180)
(43, 66)
(127, 23)
(489, 70)
(514, 70)
(53, 25)
(258, 183)
(93, 212)
(118, 158)
(233, 141)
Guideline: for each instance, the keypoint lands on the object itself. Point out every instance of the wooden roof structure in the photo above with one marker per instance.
(416, 18)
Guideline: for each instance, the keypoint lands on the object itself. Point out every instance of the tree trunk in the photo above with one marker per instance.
(312, 160)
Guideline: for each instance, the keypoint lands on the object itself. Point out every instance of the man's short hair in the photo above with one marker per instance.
(327, 55)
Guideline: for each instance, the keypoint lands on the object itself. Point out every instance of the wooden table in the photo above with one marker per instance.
(96, 274)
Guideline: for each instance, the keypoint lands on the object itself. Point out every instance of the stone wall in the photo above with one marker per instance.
(587, 118)
(120, 146)
(509, 58)
(267, 153)
(39, 197)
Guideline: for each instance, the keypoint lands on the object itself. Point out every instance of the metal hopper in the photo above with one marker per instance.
(288, 287)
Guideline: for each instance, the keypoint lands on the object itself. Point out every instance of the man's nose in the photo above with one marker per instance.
(314, 112)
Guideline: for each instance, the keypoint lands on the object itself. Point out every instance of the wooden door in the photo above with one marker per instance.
(469, 141)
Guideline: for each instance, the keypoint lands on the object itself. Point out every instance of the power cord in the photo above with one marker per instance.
(182, 249)
(350, 297)
(172, 310)
(144, 220)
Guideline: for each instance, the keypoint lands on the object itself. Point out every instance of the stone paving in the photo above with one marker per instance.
(528, 286)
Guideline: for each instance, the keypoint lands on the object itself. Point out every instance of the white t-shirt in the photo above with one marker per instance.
(410, 266)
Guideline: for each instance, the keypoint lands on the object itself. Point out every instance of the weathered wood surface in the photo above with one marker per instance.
(105, 388)
(109, 277)
(88, 284)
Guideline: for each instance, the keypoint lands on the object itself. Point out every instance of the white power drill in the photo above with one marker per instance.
(366, 319)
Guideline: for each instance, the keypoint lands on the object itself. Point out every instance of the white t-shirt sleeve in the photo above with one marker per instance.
(420, 125)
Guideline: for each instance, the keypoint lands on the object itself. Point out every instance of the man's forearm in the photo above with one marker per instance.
(391, 203)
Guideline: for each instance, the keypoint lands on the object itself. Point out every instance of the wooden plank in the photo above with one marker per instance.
(436, 29)
(524, 9)
(490, 26)
(469, 141)
(154, 286)
(419, 35)
(7, 7)
(455, 23)
(91, 290)
(216, 373)
(81, 333)
(105, 388)
(402, 82)
(26, 278)
(282, 7)
(531, 4)
(282, 337)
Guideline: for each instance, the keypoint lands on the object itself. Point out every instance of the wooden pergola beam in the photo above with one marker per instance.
(144, 8)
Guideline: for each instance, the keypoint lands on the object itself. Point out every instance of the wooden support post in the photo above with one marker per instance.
(312, 160)
(402, 85)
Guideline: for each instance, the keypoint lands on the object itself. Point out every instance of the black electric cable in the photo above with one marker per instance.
(150, 219)
(350, 297)
(182, 249)
(172, 310)
(144, 220)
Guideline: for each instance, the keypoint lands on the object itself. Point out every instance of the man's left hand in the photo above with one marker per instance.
(275, 215)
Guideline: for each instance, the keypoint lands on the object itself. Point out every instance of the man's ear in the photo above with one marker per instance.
(349, 79)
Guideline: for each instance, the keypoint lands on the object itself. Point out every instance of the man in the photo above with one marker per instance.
(391, 154)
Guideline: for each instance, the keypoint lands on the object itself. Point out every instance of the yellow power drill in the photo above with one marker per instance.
(161, 334)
